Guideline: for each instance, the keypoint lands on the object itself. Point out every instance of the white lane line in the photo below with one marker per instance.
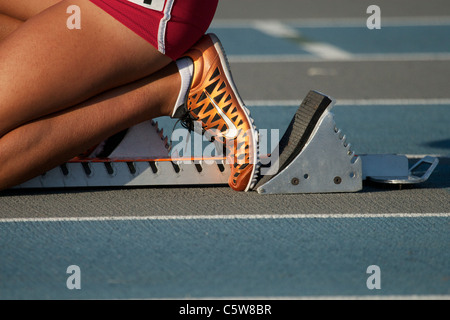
(393, 102)
(289, 29)
(229, 217)
(275, 28)
(326, 51)
(355, 102)
(337, 22)
(318, 297)
(377, 57)
(278, 29)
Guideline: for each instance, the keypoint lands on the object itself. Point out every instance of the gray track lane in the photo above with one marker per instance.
(344, 80)
(195, 201)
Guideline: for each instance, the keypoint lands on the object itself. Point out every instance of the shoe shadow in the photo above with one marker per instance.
(439, 144)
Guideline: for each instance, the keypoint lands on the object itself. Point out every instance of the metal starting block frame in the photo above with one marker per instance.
(326, 164)
(121, 173)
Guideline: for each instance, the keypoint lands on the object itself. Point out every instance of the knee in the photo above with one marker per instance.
(9, 118)
(24, 11)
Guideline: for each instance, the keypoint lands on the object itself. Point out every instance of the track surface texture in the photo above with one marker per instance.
(197, 242)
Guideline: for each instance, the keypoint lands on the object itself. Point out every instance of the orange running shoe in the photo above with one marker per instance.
(214, 101)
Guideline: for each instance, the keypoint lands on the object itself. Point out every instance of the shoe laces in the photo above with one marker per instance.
(186, 122)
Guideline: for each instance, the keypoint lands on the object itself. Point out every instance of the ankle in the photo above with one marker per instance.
(185, 70)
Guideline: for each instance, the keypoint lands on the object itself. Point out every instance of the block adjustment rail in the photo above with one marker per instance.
(121, 173)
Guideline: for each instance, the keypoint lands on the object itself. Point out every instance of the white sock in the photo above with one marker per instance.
(186, 70)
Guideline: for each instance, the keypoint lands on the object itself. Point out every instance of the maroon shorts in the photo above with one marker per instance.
(171, 26)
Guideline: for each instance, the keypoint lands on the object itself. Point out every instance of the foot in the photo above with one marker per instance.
(214, 101)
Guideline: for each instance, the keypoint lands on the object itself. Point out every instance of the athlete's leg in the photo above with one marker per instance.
(45, 67)
(14, 13)
(43, 144)
(8, 25)
(24, 9)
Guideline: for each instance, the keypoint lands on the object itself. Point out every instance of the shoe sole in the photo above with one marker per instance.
(254, 135)
(302, 127)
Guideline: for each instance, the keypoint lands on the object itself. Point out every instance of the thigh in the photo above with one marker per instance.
(24, 9)
(8, 25)
(186, 25)
(46, 67)
(173, 29)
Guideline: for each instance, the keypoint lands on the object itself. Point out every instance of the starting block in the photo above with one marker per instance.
(312, 159)
(326, 163)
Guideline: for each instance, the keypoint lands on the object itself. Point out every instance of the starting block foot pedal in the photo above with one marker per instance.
(314, 155)
(395, 169)
(321, 160)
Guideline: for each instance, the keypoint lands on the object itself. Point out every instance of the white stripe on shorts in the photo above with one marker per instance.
(163, 26)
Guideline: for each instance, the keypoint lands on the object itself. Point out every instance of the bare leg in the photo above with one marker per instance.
(14, 13)
(45, 67)
(43, 144)
(62, 91)
(8, 25)
(24, 9)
